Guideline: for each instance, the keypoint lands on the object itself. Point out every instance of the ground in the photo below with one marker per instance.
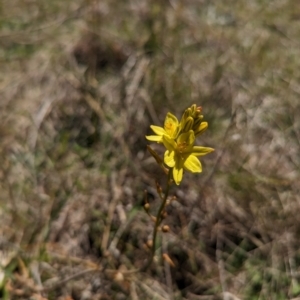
(80, 84)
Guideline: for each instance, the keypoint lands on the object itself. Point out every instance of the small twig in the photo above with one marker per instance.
(114, 242)
(38, 120)
(58, 22)
(64, 281)
(133, 293)
(158, 221)
(134, 84)
(221, 268)
(145, 96)
(168, 272)
(151, 292)
(116, 197)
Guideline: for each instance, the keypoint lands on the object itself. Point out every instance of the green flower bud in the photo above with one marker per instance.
(188, 125)
(197, 122)
(203, 126)
(194, 108)
(187, 113)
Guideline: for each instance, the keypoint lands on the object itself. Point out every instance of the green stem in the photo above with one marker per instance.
(159, 219)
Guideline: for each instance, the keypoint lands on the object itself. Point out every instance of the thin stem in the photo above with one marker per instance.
(159, 220)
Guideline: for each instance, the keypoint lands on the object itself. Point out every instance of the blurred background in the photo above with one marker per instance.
(81, 81)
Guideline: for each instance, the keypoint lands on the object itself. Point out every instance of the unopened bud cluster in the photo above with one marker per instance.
(192, 120)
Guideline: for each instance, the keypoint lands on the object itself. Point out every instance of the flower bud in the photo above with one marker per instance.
(193, 108)
(203, 126)
(188, 125)
(167, 258)
(197, 122)
(119, 277)
(147, 207)
(149, 244)
(158, 187)
(165, 228)
(164, 214)
(187, 113)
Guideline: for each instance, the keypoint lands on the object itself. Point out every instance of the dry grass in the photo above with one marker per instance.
(80, 83)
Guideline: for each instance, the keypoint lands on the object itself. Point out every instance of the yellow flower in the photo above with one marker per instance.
(182, 154)
(171, 126)
(179, 139)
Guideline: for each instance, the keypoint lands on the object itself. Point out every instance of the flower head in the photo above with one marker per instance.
(179, 140)
(170, 129)
(182, 155)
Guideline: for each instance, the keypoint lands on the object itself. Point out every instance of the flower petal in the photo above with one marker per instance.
(188, 138)
(200, 151)
(177, 174)
(169, 158)
(158, 130)
(169, 143)
(171, 125)
(185, 142)
(192, 164)
(154, 138)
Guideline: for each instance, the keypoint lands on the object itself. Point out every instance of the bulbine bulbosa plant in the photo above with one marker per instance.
(180, 155)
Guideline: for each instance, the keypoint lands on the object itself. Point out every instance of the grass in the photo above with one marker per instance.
(80, 84)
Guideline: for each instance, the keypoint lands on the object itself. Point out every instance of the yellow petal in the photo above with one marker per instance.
(169, 158)
(193, 164)
(171, 125)
(185, 141)
(158, 130)
(177, 174)
(154, 138)
(169, 143)
(200, 151)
